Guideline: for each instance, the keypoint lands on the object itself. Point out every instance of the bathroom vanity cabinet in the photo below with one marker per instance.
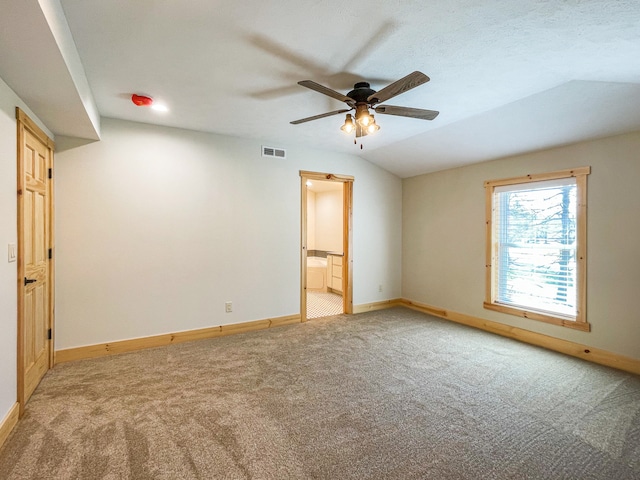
(334, 272)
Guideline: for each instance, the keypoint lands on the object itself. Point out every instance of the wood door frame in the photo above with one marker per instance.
(347, 237)
(24, 123)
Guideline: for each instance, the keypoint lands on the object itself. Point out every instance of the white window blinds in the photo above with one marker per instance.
(534, 236)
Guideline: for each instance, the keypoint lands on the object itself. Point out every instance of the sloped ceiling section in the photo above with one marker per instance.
(39, 61)
(569, 113)
(507, 77)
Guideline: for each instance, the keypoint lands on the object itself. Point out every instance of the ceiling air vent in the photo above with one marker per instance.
(274, 152)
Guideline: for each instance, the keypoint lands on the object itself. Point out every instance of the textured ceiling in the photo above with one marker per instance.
(507, 77)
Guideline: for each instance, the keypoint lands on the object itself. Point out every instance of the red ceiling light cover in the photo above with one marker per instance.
(141, 100)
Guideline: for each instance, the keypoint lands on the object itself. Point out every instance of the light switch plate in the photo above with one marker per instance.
(12, 252)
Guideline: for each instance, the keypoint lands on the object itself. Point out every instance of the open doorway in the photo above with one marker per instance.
(324, 248)
(326, 267)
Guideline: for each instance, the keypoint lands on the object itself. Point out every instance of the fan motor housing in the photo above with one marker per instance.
(361, 91)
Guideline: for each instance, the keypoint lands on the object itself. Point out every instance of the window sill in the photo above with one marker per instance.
(555, 320)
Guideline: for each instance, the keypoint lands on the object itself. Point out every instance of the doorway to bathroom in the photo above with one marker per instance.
(326, 245)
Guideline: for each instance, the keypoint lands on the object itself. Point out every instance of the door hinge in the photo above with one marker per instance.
(49, 334)
(50, 253)
(51, 173)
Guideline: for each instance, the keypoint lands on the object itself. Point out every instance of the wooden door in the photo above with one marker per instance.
(35, 266)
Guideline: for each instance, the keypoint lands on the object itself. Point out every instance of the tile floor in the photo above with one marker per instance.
(321, 304)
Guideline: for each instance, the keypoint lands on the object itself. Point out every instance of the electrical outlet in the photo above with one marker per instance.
(228, 307)
(380, 287)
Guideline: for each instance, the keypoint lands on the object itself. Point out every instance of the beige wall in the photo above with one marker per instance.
(324, 220)
(311, 220)
(328, 221)
(158, 227)
(443, 260)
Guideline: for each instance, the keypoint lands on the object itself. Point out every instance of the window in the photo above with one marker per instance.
(536, 247)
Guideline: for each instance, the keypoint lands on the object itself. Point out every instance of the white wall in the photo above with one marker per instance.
(158, 227)
(328, 221)
(444, 239)
(8, 234)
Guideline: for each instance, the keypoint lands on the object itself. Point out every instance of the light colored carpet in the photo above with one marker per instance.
(321, 304)
(393, 394)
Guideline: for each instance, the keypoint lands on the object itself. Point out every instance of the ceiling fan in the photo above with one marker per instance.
(362, 98)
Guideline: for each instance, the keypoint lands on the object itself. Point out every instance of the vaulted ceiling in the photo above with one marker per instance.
(507, 77)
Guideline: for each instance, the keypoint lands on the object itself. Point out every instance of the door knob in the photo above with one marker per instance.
(27, 281)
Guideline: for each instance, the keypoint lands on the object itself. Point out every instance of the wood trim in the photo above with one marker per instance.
(370, 307)
(303, 249)
(52, 261)
(20, 267)
(581, 251)
(533, 315)
(580, 320)
(585, 352)
(347, 236)
(590, 354)
(244, 327)
(9, 422)
(282, 321)
(538, 177)
(132, 345)
(24, 123)
(34, 128)
(488, 209)
(326, 176)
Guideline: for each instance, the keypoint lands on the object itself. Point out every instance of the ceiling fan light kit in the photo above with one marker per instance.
(348, 126)
(372, 127)
(363, 97)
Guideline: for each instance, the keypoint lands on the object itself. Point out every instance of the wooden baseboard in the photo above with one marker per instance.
(9, 422)
(122, 346)
(370, 307)
(591, 354)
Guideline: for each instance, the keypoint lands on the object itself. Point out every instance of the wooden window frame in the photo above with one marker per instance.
(579, 322)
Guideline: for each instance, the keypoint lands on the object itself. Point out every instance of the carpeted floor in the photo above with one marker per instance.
(393, 394)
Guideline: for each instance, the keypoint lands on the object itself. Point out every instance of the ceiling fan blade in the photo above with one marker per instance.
(327, 91)
(407, 112)
(399, 86)
(322, 115)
